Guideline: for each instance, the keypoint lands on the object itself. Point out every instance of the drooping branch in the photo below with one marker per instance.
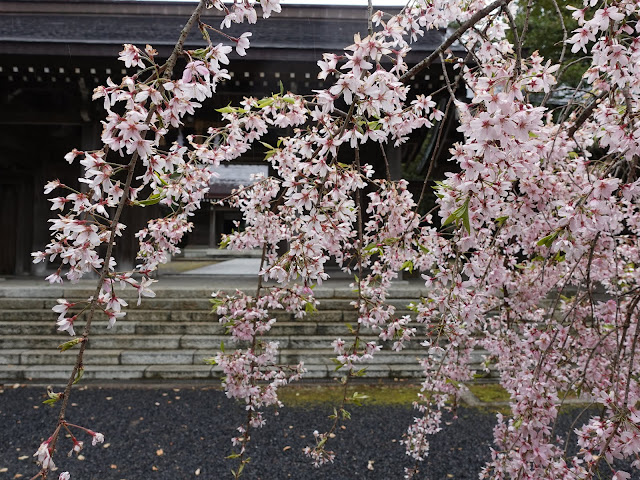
(104, 272)
(562, 53)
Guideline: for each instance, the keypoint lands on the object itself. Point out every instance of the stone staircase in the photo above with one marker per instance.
(168, 338)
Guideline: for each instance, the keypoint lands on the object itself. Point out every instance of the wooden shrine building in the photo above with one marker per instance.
(53, 53)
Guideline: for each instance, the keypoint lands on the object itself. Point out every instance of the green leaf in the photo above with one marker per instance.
(500, 220)
(79, 375)
(357, 398)
(548, 240)
(53, 398)
(338, 364)
(265, 102)
(227, 109)
(266, 145)
(465, 216)
(423, 249)
(70, 344)
(450, 219)
(309, 307)
(372, 248)
(215, 303)
(408, 266)
(200, 53)
(152, 200)
(289, 100)
(517, 423)
(559, 257)
(160, 178)
(460, 213)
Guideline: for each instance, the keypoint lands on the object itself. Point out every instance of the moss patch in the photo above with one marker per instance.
(489, 392)
(332, 394)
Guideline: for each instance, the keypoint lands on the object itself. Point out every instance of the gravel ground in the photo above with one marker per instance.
(183, 433)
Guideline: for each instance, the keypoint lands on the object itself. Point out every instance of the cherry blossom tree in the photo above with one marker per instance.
(531, 254)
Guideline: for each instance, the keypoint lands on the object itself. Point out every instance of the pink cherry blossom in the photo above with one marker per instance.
(242, 43)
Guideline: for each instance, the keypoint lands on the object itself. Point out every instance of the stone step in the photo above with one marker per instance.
(133, 335)
(104, 372)
(194, 357)
(213, 342)
(49, 327)
(101, 372)
(99, 340)
(104, 341)
(53, 356)
(166, 291)
(32, 315)
(192, 302)
(170, 336)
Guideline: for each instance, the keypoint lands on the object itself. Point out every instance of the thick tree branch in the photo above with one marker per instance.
(475, 18)
(586, 113)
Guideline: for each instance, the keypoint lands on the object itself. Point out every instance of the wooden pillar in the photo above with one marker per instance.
(212, 226)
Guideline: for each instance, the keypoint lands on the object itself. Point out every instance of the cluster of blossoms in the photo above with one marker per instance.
(44, 453)
(253, 374)
(534, 213)
(140, 110)
(533, 257)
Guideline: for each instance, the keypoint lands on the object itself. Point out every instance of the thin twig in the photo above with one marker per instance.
(517, 42)
(387, 170)
(525, 27)
(562, 53)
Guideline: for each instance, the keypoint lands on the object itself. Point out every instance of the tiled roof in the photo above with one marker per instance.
(80, 30)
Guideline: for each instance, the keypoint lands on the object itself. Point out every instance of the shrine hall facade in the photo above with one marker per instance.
(54, 53)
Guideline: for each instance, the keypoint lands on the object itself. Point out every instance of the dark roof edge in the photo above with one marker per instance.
(138, 7)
